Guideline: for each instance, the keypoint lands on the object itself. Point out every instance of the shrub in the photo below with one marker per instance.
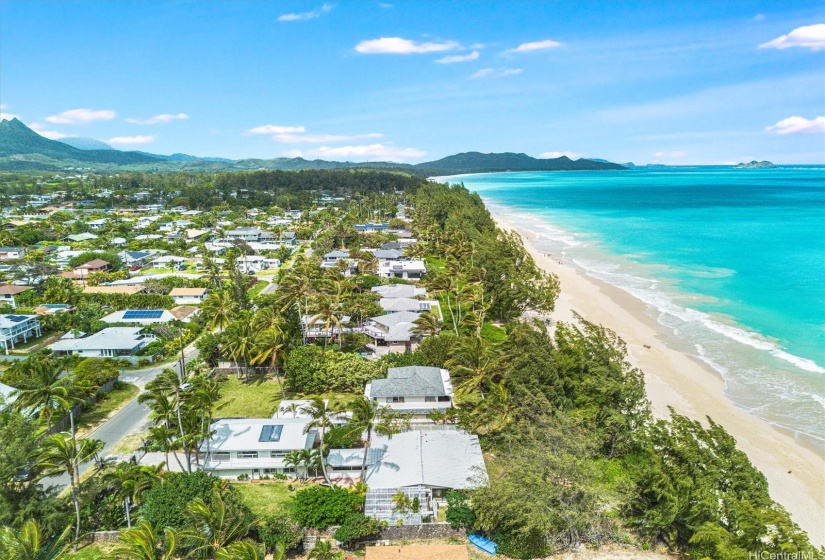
(357, 526)
(279, 529)
(311, 370)
(320, 507)
(460, 513)
(342, 437)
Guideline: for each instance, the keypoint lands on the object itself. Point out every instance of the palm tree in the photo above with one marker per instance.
(475, 364)
(326, 311)
(166, 438)
(62, 454)
(267, 346)
(131, 481)
(370, 417)
(141, 543)
(218, 309)
(29, 543)
(323, 551)
(321, 414)
(446, 285)
(240, 342)
(427, 324)
(243, 550)
(294, 459)
(203, 397)
(214, 526)
(45, 390)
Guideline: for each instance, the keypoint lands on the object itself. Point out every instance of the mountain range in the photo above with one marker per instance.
(22, 149)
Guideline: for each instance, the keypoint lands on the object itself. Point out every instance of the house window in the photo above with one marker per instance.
(247, 454)
(278, 454)
(220, 455)
(443, 399)
(429, 399)
(395, 399)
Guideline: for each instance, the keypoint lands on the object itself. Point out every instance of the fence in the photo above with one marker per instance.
(63, 424)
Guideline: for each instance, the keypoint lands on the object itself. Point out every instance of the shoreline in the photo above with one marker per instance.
(795, 472)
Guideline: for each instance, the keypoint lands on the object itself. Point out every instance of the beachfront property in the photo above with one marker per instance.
(17, 328)
(408, 269)
(12, 253)
(255, 446)
(184, 296)
(400, 291)
(8, 293)
(109, 343)
(421, 463)
(392, 329)
(413, 390)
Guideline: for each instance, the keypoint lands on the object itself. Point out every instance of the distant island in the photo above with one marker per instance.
(755, 165)
(22, 149)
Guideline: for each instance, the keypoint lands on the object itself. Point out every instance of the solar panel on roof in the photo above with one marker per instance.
(16, 318)
(143, 314)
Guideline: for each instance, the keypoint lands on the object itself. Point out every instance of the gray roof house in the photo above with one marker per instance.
(416, 390)
(391, 329)
(111, 342)
(399, 291)
(420, 463)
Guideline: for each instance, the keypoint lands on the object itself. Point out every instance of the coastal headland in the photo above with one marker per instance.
(674, 379)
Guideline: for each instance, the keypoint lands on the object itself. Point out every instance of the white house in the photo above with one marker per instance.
(415, 390)
(189, 295)
(108, 343)
(408, 269)
(394, 328)
(12, 253)
(14, 328)
(139, 316)
(254, 446)
(8, 292)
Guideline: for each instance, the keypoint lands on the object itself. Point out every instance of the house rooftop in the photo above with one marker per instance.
(187, 292)
(96, 263)
(260, 434)
(9, 289)
(412, 381)
(113, 338)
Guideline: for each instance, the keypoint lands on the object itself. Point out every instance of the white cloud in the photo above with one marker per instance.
(554, 155)
(385, 5)
(276, 129)
(534, 46)
(397, 45)
(370, 152)
(322, 138)
(452, 59)
(303, 16)
(759, 17)
(50, 134)
(81, 116)
(163, 118)
(129, 140)
(676, 154)
(806, 37)
(496, 73)
(793, 125)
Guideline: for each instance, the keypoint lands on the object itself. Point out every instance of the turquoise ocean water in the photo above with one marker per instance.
(731, 262)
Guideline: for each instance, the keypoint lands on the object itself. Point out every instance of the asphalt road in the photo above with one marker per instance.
(133, 417)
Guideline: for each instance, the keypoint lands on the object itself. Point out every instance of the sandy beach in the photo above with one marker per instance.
(796, 474)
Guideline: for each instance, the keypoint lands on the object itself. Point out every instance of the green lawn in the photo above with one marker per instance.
(90, 551)
(256, 399)
(108, 405)
(267, 497)
(256, 289)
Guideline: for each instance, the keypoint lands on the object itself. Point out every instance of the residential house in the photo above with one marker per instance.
(255, 447)
(372, 228)
(423, 464)
(8, 293)
(96, 224)
(189, 295)
(196, 234)
(415, 390)
(397, 305)
(395, 328)
(12, 253)
(289, 238)
(139, 316)
(408, 269)
(108, 343)
(14, 328)
(127, 290)
(250, 234)
(87, 269)
(134, 258)
(400, 291)
(80, 237)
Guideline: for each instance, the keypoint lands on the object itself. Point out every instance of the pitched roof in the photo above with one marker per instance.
(96, 263)
(128, 290)
(181, 312)
(410, 381)
(9, 289)
(112, 338)
(187, 292)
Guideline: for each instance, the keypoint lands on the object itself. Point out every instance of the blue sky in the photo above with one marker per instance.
(644, 81)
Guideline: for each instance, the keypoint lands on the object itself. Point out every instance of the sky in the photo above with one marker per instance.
(687, 82)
